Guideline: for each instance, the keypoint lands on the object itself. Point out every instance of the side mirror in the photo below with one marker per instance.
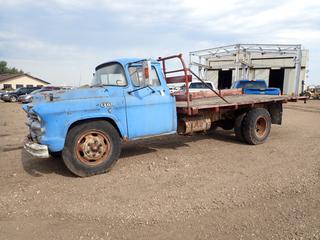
(146, 72)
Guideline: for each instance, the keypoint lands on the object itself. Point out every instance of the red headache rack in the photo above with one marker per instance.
(186, 78)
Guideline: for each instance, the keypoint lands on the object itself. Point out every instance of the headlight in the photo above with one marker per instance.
(34, 123)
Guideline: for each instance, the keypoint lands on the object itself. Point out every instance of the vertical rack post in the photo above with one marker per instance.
(184, 70)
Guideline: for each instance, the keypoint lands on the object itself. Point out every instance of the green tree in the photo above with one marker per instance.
(5, 69)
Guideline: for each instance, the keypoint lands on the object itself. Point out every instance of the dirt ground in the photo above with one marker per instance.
(201, 187)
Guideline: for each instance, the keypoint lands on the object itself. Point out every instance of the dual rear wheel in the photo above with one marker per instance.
(253, 126)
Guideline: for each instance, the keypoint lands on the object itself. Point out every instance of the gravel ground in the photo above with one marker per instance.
(206, 186)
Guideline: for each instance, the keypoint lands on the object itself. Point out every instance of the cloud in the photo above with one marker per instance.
(84, 33)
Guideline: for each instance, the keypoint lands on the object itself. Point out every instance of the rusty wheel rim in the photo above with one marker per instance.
(261, 127)
(93, 148)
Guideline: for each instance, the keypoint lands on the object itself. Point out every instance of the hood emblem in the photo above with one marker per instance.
(105, 105)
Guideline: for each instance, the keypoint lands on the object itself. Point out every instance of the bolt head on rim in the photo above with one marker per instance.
(93, 147)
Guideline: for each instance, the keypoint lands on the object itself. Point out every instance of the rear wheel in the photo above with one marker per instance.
(256, 126)
(238, 126)
(91, 148)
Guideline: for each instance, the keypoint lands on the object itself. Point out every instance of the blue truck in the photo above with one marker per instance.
(256, 87)
(130, 99)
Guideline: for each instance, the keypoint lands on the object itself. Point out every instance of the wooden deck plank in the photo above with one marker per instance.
(242, 99)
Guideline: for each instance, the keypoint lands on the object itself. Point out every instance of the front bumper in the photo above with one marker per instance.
(35, 149)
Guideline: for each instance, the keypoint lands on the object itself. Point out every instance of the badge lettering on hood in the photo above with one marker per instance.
(105, 105)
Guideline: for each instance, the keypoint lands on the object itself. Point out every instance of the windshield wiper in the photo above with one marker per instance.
(137, 89)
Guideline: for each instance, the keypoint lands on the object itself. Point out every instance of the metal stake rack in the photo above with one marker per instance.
(242, 53)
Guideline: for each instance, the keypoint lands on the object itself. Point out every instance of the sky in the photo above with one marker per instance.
(61, 41)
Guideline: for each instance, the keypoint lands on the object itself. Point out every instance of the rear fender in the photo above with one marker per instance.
(275, 111)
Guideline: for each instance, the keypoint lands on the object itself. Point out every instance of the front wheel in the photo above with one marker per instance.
(91, 148)
(256, 126)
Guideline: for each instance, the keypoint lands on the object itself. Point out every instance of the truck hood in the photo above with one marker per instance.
(77, 93)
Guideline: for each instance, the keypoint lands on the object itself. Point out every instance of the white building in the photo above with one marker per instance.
(14, 81)
(282, 66)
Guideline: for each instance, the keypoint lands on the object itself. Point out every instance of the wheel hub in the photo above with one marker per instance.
(261, 126)
(93, 148)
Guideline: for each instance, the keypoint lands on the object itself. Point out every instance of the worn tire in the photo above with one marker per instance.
(77, 160)
(238, 126)
(256, 126)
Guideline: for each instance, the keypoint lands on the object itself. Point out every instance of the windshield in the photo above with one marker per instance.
(35, 91)
(252, 85)
(200, 85)
(110, 75)
(18, 90)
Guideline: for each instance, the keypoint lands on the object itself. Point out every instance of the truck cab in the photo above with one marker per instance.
(129, 99)
(148, 107)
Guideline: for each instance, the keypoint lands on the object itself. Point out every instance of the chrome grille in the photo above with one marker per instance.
(35, 130)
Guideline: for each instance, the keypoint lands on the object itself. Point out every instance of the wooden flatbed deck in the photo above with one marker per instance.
(233, 100)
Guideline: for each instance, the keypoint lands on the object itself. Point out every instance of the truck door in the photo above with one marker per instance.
(150, 110)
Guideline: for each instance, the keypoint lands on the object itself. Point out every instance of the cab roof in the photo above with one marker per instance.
(125, 61)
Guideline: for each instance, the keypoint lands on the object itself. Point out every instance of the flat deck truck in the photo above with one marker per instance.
(130, 99)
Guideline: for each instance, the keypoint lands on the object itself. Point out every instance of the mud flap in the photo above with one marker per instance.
(275, 111)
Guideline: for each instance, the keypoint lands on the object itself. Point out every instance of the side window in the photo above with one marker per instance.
(22, 90)
(136, 76)
(7, 86)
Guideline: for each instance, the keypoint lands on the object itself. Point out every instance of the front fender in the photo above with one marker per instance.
(55, 139)
(57, 120)
(107, 116)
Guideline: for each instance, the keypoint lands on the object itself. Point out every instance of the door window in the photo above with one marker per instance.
(137, 79)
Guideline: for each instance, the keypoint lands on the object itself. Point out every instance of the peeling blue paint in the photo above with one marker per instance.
(137, 115)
